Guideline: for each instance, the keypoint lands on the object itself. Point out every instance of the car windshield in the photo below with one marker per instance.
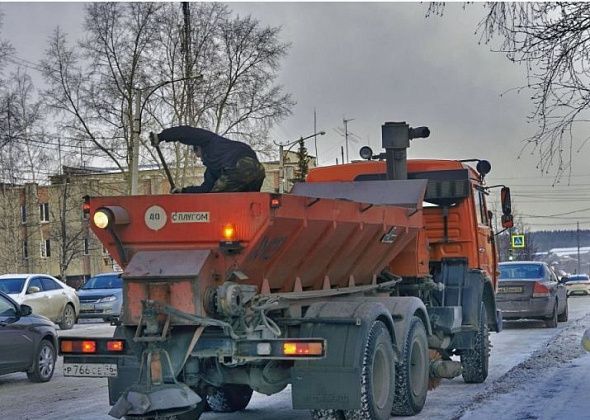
(521, 271)
(104, 282)
(12, 285)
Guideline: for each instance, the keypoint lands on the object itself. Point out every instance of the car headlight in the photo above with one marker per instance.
(107, 299)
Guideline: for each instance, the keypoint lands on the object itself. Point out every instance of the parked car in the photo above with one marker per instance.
(577, 284)
(101, 297)
(46, 295)
(529, 289)
(27, 342)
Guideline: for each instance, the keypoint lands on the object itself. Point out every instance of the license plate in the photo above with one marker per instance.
(86, 306)
(509, 289)
(94, 370)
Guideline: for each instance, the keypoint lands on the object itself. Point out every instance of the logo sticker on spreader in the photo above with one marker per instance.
(190, 217)
(155, 218)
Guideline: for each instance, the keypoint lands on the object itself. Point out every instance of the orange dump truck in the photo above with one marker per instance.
(355, 289)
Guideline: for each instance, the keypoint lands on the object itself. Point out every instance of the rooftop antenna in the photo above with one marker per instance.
(345, 121)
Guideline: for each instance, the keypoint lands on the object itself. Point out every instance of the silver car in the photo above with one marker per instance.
(46, 295)
(576, 284)
(101, 297)
(529, 289)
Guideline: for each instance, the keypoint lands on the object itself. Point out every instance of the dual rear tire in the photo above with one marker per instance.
(389, 388)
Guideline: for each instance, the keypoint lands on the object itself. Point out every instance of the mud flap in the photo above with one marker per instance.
(334, 382)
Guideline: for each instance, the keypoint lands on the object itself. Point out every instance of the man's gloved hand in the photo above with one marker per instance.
(175, 190)
(154, 140)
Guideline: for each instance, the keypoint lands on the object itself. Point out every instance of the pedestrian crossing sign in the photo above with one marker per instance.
(517, 241)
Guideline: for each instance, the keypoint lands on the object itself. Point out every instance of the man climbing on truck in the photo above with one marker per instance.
(232, 166)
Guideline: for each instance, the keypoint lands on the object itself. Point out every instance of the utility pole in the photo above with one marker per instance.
(342, 152)
(345, 121)
(59, 155)
(578, 238)
(315, 139)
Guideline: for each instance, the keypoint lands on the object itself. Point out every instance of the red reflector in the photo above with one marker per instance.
(115, 345)
(540, 290)
(275, 203)
(303, 349)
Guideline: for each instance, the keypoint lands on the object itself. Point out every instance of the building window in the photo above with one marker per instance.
(45, 247)
(25, 250)
(23, 214)
(44, 212)
(86, 246)
(105, 251)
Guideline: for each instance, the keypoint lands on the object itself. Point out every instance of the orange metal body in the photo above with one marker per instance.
(469, 231)
(304, 244)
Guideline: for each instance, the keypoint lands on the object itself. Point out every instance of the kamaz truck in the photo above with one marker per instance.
(356, 289)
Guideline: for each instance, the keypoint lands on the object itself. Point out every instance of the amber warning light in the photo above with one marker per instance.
(72, 346)
(229, 232)
(310, 349)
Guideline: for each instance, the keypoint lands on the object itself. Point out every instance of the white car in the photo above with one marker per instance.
(577, 284)
(45, 294)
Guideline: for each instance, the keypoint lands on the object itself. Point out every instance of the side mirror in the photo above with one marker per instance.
(506, 202)
(33, 289)
(25, 310)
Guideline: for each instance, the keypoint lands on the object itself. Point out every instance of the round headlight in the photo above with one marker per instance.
(101, 219)
(366, 152)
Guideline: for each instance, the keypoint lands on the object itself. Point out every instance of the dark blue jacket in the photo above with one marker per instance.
(218, 153)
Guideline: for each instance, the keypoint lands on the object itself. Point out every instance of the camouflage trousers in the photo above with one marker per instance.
(247, 175)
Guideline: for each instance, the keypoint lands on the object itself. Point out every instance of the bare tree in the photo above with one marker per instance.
(94, 84)
(67, 230)
(24, 154)
(552, 41)
(11, 231)
(238, 60)
(137, 48)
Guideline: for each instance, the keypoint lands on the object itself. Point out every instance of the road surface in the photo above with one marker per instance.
(535, 373)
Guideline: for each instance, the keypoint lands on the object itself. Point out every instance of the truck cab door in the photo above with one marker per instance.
(485, 246)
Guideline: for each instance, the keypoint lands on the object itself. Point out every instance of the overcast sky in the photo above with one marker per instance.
(377, 62)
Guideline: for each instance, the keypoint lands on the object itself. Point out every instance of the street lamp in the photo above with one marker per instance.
(282, 156)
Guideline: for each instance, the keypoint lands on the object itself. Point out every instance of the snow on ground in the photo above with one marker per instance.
(553, 383)
(535, 373)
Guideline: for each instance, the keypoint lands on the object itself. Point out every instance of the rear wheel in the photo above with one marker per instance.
(412, 372)
(552, 321)
(228, 398)
(475, 362)
(377, 376)
(44, 363)
(68, 318)
(563, 317)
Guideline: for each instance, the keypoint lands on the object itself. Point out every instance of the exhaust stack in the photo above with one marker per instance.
(395, 139)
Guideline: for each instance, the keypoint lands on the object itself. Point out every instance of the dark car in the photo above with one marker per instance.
(102, 297)
(27, 342)
(529, 289)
